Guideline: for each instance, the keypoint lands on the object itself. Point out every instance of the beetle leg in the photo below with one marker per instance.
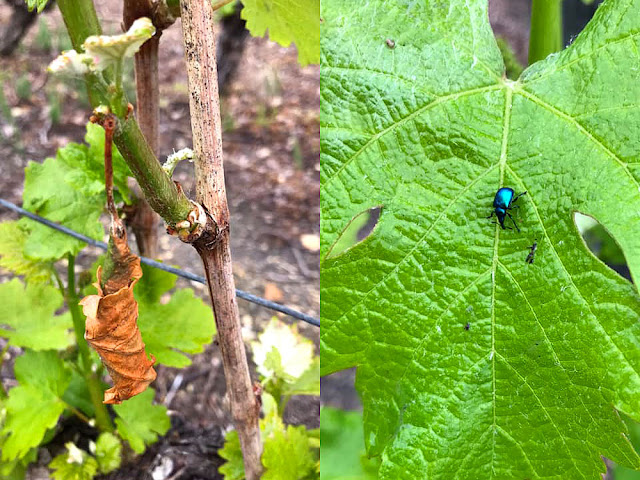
(514, 222)
(518, 196)
(492, 214)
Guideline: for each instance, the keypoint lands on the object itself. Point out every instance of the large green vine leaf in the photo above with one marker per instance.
(296, 21)
(69, 189)
(182, 325)
(49, 191)
(418, 118)
(35, 405)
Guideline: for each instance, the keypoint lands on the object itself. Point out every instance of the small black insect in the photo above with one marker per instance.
(532, 253)
(467, 326)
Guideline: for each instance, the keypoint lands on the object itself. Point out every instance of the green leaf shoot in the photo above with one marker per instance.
(282, 352)
(108, 452)
(233, 468)
(110, 50)
(429, 130)
(287, 21)
(287, 450)
(140, 422)
(286, 455)
(35, 404)
(37, 4)
(306, 384)
(28, 319)
(74, 464)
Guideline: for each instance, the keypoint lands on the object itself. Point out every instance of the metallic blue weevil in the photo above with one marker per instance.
(502, 202)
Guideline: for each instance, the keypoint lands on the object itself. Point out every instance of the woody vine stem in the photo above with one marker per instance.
(200, 48)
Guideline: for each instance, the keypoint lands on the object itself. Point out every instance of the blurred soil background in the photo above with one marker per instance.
(270, 112)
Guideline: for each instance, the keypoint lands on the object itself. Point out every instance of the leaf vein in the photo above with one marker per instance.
(565, 116)
(546, 412)
(570, 278)
(416, 245)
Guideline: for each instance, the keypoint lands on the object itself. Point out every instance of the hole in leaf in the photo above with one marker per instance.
(602, 244)
(359, 228)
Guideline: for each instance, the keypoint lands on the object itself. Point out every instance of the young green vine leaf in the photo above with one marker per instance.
(68, 189)
(108, 451)
(140, 422)
(430, 129)
(287, 21)
(286, 453)
(74, 464)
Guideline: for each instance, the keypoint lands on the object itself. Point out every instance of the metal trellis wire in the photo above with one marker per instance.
(167, 268)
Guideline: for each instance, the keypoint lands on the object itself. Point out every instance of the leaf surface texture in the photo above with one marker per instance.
(429, 130)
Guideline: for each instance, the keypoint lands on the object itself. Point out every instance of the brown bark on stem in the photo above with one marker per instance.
(199, 41)
(144, 220)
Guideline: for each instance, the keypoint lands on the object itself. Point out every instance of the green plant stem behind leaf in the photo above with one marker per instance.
(430, 130)
(94, 385)
(546, 29)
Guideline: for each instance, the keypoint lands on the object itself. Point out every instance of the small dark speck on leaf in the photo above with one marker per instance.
(467, 326)
(390, 43)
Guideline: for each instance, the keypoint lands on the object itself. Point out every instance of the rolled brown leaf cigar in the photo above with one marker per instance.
(112, 329)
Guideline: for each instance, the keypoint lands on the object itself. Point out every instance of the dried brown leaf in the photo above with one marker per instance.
(112, 330)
